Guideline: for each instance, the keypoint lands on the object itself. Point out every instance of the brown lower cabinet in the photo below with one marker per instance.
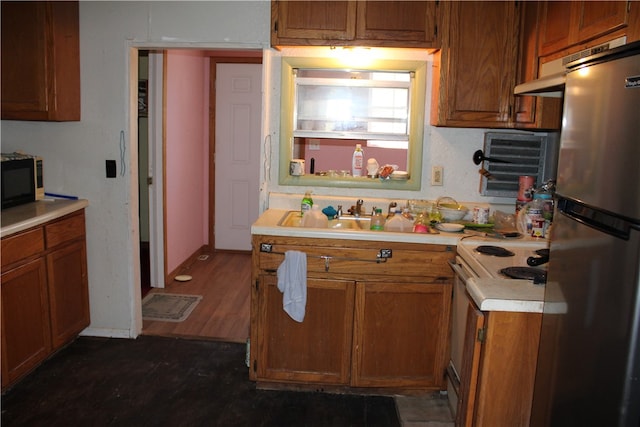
(367, 324)
(44, 298)
(498, 368)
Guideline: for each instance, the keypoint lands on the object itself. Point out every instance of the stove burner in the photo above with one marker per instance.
(538, 276)
(542, 258)
(494, 250)
(542, 252)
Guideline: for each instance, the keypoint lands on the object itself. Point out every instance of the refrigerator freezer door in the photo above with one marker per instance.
(599, 160)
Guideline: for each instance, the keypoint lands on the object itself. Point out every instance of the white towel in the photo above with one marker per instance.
(292, 282)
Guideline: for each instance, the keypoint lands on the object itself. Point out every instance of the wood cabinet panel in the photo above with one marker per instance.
(367, 324)
(397, 21)
(23, 245)
(26, 339)
(323, 259)
(470, 369)
(315, 350)
(532, 112)
(595, 18)
(67, 229)
(354, 23)
(498, 369)
(68, 292)
(564, 24)
(45, 296)
(313, 20)
(400, 331)
(40, 61)
(475, 71)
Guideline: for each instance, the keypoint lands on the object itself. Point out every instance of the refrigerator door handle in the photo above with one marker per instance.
(595, 218)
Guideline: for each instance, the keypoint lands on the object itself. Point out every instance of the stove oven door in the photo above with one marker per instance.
(466, 319)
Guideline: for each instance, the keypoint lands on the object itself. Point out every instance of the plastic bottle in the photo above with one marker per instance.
(357, 161)
(377, 221)
(307, 203)
(545, 193)
(398, 223)
(534, 219)
(315, 218)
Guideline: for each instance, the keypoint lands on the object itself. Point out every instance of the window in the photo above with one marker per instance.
(327, 110)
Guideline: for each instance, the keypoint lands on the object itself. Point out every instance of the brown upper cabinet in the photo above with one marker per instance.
(564, 24)
(40, 61)
(354, 23)
(475, 70)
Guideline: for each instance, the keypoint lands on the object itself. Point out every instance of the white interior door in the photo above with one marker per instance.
(237, 153)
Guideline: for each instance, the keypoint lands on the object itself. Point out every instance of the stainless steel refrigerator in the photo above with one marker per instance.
(588, 371)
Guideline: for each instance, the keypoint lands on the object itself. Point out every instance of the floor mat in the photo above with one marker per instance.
(172, 382)
(168, 307)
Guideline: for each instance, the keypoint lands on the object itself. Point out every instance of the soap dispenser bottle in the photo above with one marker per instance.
(306, 204)
(357, 161)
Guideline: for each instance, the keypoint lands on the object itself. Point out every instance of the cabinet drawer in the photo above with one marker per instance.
(22, 245)
(67, 229)
(359, 262)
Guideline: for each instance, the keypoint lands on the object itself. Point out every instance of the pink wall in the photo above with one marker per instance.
(187, 76)
(336, 154)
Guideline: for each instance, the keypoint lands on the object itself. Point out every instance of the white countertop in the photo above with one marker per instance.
(267, 224)
(19, 218)
(506, 295)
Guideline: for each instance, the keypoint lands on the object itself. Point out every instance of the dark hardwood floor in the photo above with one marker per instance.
(223, 280)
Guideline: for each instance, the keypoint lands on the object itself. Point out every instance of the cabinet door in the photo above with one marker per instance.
(312, 22)
(596, 18)
(40, 61)
(532, 112)
(475, 70)
(317, 350)
(68, 292)
(26, 339)
(400, 333)
(397, 23)
(472, 348)
(507, 369)
(555, 26)
(567, 23)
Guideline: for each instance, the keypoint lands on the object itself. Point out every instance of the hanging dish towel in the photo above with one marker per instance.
(292, 282)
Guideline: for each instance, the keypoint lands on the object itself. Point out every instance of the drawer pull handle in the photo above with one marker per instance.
(381, 257)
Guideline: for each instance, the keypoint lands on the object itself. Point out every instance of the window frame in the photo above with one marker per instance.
(416, 123)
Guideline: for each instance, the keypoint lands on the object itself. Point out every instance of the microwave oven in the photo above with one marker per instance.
(21, 179)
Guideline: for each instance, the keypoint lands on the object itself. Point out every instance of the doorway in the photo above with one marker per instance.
(146, 150)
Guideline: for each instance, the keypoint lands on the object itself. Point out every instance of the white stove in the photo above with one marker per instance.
(489, 266)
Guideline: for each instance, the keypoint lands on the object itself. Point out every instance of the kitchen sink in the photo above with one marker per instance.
(345, 222)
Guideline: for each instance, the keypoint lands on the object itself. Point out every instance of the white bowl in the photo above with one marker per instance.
(445, 226)
(450, 214)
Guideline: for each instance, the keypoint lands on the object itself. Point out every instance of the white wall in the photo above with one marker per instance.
(75, 152)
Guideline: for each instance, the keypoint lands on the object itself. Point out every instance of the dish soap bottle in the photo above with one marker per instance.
(307, 203)
(357, 161)
(377, 221)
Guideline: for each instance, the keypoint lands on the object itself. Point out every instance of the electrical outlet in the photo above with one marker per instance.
(436, 175)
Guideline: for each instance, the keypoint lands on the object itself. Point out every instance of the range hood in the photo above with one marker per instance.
(551, 86)
(552, 73)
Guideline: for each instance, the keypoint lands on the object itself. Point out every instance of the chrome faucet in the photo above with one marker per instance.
(357, 209)
(391, 211)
